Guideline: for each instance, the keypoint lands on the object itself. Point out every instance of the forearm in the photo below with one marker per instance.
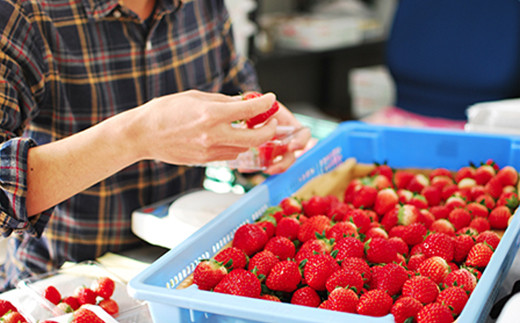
(61, 169)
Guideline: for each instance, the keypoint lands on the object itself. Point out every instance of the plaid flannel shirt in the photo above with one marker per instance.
(67, 65)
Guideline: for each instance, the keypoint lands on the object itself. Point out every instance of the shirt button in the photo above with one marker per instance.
(117, 14)
(148, 45)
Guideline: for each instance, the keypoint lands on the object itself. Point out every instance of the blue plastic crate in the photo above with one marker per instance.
(400, 148)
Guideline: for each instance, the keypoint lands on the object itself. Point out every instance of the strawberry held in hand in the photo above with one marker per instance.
(262, 117)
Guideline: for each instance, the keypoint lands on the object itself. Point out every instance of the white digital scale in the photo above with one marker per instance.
(169, 222)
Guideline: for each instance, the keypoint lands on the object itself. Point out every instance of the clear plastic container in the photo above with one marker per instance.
(261, 157)
(66, 280)
(494, 117)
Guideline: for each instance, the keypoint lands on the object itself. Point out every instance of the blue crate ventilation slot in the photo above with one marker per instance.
(400, 148)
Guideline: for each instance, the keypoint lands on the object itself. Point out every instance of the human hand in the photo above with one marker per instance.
(193, 127)
(297, 145)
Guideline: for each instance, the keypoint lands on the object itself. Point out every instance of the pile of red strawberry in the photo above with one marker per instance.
(9, 313)
(399, 242)
(99, 293)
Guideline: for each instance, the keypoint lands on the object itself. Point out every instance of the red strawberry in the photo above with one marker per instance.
(419, 201)
(386, 199)
(345, 278)
(442, 181)
(460, 218)
(407, 214)
(439, 244)
(361, 218)
(486, 199)
(480, 224)
(262, 117)
(391, 278)
(250, 238)
(499, 217)
(509, 199)
(342, 229)
(72, 302)
(274, 211)
(288, 227)
(432, 194)
(109, 305)
(103, 287)
(343, 299)
(490, 237)
(268, 224)
(231, 258)
(418, 183)
(282, 247)
(440, 171)
(6, 306)
(269, 297)
(426, 217)
(268, 151)
(434, 267)
(316, 205)
(306, 296)
(402, 178)
(375, 302)
(405, 308)
(310, 247)
(453, 297)
(85, 295)
(338, 211)
(479, 255)
(507, 176)
(461, 278)
(84, 315)
(383, 169)
(463, 243)
(400, 245)
(404, 195)
(13, 317)
(240, 282)
(262, 262)
(359, 265)
(449, 190)
(284, 276)
(477, 210)
(494, 187)
(52, 294)
(434, 312)
(421, 288)
(466, 184)
(484, 173)
(291, 205)
(318, 269)
(414, 233)
(349, 247)
(464, 172)
(317, 224)
(352, 188)
(379, 250)
(442, 226)
(467, 230)
(208, 274)
(365, 197)
(415, 260)
(376, 231)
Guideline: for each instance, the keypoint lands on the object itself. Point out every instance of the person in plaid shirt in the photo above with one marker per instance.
(102, 103)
